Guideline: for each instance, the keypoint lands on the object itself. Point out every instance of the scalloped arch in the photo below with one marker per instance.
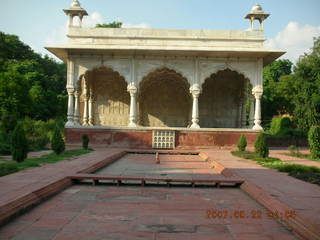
(113, 67)
(245, 74)
(159, 70)
(147, 70)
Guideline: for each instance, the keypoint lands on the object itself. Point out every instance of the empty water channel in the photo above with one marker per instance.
(158, 168)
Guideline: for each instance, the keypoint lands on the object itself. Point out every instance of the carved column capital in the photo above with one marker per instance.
(195, 90)
(132, 89)
(70, 91)
(257, 91)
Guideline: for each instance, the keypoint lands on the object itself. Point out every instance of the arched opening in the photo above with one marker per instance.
(111, 101)
(223, 101)
(164, 100)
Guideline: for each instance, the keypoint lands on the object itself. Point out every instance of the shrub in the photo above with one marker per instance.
(261, 146)
(37, 133)
(19, 144)
(293, 150)
(5, 146)
(281, 126)
(242, 143)
(314, 141)
(85, 141)
(57, 142)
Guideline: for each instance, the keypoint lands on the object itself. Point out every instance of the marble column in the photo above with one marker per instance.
(91, 123)
(195, 90)
(85, 118)
(85, 112)
(76, 118)
(132, 89)
(257, 91)
(70, 107)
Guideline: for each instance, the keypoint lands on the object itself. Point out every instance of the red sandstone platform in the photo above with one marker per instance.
(142, 137)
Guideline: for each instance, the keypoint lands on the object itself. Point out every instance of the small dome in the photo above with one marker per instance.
(75, 3)
(257, 8)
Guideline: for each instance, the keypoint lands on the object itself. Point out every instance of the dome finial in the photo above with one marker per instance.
(75, 3)
(257, 8)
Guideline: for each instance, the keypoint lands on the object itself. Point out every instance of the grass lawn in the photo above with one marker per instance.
(305, 173)
(12, 166)
(303, 156)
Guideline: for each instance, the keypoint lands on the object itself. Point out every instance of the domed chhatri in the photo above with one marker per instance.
(257, 14)
(75, 10)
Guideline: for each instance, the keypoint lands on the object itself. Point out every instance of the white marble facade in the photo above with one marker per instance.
(135, 53)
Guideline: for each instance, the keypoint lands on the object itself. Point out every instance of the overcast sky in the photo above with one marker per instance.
(291, 26)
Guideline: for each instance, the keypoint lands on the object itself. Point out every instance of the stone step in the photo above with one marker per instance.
(144, 179)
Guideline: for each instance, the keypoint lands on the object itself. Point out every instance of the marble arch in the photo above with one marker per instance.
(222, 103)
(102, 90)
(164, 99)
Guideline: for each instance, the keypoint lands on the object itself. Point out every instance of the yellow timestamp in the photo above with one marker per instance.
(249, 214)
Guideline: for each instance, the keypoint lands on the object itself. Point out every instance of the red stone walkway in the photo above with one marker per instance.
(301, 196)
(21, 184)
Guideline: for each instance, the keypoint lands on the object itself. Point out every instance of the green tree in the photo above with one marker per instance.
(30, 85)
(114, 24)
(314, 141)
(242, 143)
(57, 142)
(261, 146)
(306, 99)
(273, 102)
(85, 141)
(19, 144)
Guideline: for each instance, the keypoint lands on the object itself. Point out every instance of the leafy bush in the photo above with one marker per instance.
(261, 146)
(37, 133)
(5, 146)
(57, 142)
(314, 141)
(280, 126)
(19, 144)
(85, 141)
(242, 143)
(114, 24)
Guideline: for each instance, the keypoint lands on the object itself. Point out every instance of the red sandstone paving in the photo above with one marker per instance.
(108, 212)
(17, 184)
(301, 196)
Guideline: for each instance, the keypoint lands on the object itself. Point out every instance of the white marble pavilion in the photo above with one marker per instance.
(121, 77)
